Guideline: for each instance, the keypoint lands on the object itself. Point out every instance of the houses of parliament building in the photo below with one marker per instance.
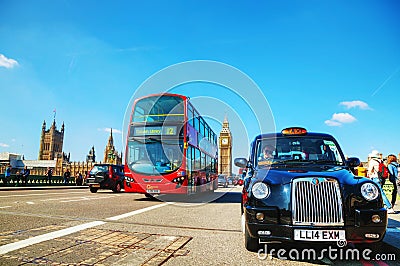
(51, 155)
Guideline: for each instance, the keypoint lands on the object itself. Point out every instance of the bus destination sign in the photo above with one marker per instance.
(154, 131)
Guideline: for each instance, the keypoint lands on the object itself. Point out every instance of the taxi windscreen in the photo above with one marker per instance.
(295, 149)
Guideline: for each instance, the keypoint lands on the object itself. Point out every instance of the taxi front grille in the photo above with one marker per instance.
(317, 201)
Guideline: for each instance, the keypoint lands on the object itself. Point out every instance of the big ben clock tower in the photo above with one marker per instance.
(225, 150)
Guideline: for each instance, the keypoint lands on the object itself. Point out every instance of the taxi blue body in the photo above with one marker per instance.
(305, 191)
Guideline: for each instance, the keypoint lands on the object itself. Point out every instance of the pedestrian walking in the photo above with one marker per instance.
(49, 175)
(393, 176)
(19, 177)
(7, 175)
(78, 179)
(67, 175)
(373, 168)
(25, 175)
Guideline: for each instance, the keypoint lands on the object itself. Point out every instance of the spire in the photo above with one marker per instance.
(44, 125)
(54, 124)
(226, 118)
(226, 123)
(62, 128)
(111, 140)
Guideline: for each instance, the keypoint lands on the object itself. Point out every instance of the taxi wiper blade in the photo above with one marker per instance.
(292, 161)
(325, 162)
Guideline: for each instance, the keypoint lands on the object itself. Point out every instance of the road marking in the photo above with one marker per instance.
(49, 236)
(126, 215)
(4, 207)
(86, 198)
(63, 232)
(30, 202)
(71, 199)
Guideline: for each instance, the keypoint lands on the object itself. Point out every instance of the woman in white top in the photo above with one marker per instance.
(373, 167)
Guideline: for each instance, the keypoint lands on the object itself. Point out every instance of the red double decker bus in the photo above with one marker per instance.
(170, 148)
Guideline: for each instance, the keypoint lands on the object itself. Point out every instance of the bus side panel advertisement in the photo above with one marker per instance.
(192, 135)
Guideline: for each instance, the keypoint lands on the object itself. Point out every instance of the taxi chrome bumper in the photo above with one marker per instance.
(369, 226)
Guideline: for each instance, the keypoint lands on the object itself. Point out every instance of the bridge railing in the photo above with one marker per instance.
(36, 180)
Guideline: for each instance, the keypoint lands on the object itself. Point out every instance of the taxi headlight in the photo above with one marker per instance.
(369, 191)
(260, 190)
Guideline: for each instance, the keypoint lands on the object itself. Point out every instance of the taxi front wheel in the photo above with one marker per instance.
(93, 189)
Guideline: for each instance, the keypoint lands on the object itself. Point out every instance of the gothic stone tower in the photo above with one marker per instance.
(111, 156)
(91, 157)
(51, 142)
(225, 150)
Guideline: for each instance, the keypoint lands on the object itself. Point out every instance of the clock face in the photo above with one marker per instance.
(224, 141)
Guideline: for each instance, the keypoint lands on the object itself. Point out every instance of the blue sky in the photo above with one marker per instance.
(330, 66)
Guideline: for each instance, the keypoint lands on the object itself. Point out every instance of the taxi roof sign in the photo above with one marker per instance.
(294, 131)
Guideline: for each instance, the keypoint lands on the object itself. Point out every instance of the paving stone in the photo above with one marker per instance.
(95, 247)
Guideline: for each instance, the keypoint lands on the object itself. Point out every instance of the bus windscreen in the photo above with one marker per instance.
(152, 156)
(158, 109)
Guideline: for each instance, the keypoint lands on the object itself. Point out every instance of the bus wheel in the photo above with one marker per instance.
(93, 189)
(117, 188)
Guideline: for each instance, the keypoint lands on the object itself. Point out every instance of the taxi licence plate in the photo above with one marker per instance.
(153, 191)
(96, 185)
(319, 235)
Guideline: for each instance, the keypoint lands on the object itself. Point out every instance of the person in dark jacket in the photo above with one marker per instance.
(67, 175)
(49, 175)
(25, 175)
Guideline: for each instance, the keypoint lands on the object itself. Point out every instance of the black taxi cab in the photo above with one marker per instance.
(105, 176)
(300, 187)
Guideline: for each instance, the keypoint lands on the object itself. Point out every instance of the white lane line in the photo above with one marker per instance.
(63, 232)
(38, 239)
(85, 198)
(4, 207)
(77, 198)
(30, 202)
(125, 215)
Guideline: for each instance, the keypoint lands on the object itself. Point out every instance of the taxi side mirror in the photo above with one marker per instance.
(240, 162)
(353, 162)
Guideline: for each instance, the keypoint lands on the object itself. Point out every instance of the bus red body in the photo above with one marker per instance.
(170, 149)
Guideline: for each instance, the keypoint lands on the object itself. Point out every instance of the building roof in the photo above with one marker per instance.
(40, 163)
(7, 156)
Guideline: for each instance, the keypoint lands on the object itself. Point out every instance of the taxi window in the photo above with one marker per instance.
(298, 149)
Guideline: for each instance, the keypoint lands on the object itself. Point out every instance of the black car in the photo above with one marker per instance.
(299, 187)
(106, 176)
(222, 181)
